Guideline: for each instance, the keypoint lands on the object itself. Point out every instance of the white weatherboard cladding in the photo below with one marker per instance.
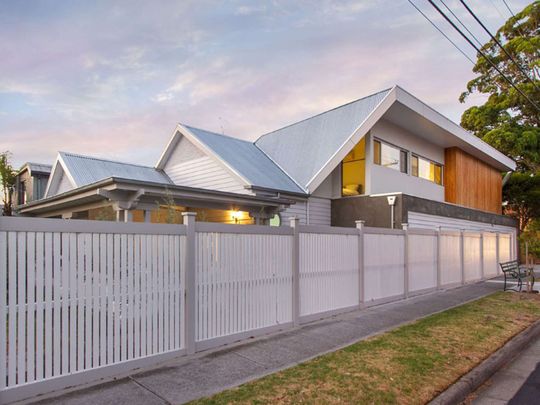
(63, 185)
(422, 262)
(490, 255)
(190, 167)
(384, 266)
(386, 180)
(243, 283)
(316, 211)
(450, 259)
(328, 272)
(471, 257)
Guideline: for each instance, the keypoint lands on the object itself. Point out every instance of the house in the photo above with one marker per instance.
(30, 182)
(331, 169)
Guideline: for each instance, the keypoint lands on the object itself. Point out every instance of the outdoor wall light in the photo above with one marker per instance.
(392, 203)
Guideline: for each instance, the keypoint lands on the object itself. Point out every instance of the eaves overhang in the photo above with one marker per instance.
(94, 192)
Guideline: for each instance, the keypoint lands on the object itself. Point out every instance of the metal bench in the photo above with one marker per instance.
(513, 271)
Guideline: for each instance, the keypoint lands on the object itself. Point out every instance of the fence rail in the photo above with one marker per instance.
(82, 300)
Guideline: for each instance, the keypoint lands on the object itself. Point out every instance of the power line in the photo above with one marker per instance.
(483, 54)
(461, 23)
(508, 7)
(499, 44)
(443, 34)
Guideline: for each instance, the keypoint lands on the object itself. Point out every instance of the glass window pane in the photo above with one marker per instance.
(353, 170)
(438, 174)
(414, 166)
(377, 152)
(403, 162)
(390, 157)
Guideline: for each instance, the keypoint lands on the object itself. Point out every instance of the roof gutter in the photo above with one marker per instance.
(506, 178)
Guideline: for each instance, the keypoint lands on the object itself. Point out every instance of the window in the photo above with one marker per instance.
(22, 193)
(389, 156)
(275, 220)
(353, 170)
(426, 169)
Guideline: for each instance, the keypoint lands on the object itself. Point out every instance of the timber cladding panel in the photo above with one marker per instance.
(471, 183)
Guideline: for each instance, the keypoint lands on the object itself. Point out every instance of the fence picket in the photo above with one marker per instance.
(114, 296)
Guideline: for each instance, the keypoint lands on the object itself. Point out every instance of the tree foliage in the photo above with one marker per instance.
(507, 120)
(7, 174)
(522, 194)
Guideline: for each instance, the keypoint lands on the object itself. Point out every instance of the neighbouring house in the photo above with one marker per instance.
(331, 169)
(30, 183)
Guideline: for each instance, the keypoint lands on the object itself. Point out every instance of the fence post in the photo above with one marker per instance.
(295, 272)
(406, 261)
(482, 271)
(439, 267)
(361, 294)
(462, 254)
(189, 282)
(497, 254)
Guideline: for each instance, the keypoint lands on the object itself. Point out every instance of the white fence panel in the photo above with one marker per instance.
(73, 302)
(422, 262)
(490, 255)
(450, 258)
(328, 272)
(384, 266)
(505, 248)
(244, 283)
(472, 259)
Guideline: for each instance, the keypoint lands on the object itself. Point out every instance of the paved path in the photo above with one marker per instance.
(518, 383)
(183, 379)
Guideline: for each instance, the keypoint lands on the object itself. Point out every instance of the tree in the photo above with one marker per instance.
(8, 182)
(507, 120)
(522, 194)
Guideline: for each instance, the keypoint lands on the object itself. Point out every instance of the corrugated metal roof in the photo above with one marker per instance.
(87, 170)
(247, 160)
(303, 148)
(36, 167)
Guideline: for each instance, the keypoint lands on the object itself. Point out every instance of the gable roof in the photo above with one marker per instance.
(83, 170)
(36, 168)
(303, 148)
(86, 170)
(310, 149)
(242, 158)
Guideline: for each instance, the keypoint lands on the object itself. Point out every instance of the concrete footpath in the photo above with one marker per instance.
(184, 379)
(517, 383)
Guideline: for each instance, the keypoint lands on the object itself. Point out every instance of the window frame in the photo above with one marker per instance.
(377, 160)
(431, 161)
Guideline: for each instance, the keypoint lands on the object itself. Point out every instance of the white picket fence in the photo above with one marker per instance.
(83, 300)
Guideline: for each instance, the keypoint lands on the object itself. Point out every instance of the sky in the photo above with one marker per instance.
(113, 78)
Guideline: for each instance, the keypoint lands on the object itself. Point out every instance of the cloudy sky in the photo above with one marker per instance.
(112, 78)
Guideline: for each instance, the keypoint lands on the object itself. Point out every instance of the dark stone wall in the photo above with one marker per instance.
(376, 211)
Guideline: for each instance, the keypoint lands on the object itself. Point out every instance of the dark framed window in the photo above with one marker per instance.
(427, 169)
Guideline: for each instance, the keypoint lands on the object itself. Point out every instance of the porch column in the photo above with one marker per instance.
(147, 216)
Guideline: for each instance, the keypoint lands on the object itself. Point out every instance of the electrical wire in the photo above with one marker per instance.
(442, 32)
(483, 55)
(499, 44)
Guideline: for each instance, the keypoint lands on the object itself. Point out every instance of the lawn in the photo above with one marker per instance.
(409, 365)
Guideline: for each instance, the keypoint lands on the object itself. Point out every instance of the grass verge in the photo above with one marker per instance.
(408, 365)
